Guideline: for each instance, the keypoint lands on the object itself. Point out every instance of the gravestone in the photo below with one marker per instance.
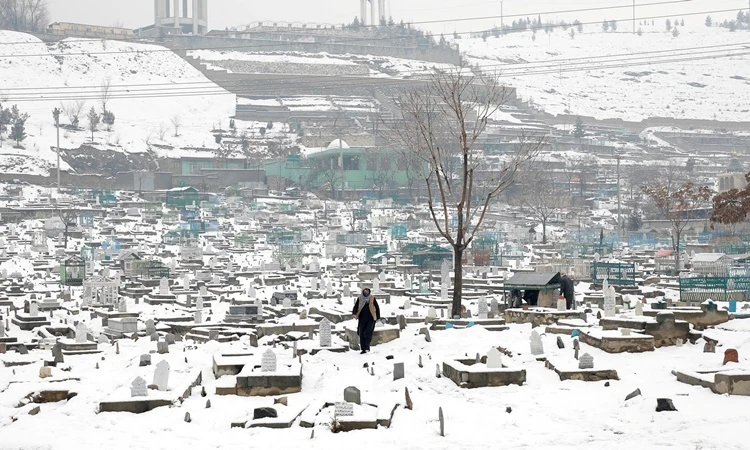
(352, 395)
(103, 339)
(150, 328)
(286, 303)
(198, 317)
(494, 359)
(347, 290)
(494, 308)
(186, 282)
(731, 355)
(732, 306)
(560, 343)
(268, 361)
(625, 331)
(442, 421)
(537, 348)
(169, 338)
(251, 291)
(33, 309)
(81, 333)
(145, 360)
(561, 305)
(56, 353)
(163, 286)
(138, 388)
(162, 348)
(407, 304)
(609, 299)
(344, 409)
(199, 303)
(398, 371)
(445, 279)
(161, 375)
(213, 335)
(586, 362)
(639, 308)
(431, 314)
(482, 311)
(709, 347)
(401, 322)
(122, 305)
(324, 333)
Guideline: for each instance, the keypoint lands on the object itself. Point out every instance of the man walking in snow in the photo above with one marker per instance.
(567, 290)
(367, 311)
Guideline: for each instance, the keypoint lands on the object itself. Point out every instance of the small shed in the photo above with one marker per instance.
(547, 283)
(711, 264)
(183, 196)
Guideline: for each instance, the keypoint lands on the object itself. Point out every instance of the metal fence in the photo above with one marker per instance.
(616, 273)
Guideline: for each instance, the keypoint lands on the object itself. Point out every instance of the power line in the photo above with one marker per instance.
(334, 42)
(217, 90)
(553, 64)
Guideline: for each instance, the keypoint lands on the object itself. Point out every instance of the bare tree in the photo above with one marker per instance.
(176, 123)
(105, 93)
(458, 107)
(677, 204)
(68, 217)
(381, 170)
(225, 151)
(24, 15)
(94, 120)
(73, 111)
(162, 130)
(326, 174)
(541, 198)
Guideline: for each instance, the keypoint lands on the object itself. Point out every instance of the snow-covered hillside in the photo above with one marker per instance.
(37, 76)
(636, 84)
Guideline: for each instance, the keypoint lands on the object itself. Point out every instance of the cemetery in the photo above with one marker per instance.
(246, 326)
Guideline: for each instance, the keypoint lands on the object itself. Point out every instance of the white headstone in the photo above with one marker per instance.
(609, 300)
(268, 361)
(537, 348)
(199, 302)
(494, 307)
(161, 375)
(81, 333)
(287, 302)
(186, 282)
(324, 333)
(561, 304)
(33, 309)
(444, 280)
(163, 286)
(203, 291)
(215, 279)
(251, 291)
(375, 285)
(138, 388)
(344, 409)
(494, 359)
(482, 308)
(639, 308)
(431, 313)
(407, 304)
(347, 290)
(198, 316)
(122, 305)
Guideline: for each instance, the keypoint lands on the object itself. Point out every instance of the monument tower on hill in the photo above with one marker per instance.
(383, 6)
(189, 16)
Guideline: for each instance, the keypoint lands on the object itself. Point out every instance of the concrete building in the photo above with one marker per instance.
(183, 16)
(85, 30)
(379, 11)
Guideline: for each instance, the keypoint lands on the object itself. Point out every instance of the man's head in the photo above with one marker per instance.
(366, 292)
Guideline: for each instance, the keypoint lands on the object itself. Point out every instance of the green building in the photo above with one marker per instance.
(353, 170)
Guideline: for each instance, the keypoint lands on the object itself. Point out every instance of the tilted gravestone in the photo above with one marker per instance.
(352, 395)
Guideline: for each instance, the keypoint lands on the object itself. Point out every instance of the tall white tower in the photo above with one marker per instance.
(186, 16)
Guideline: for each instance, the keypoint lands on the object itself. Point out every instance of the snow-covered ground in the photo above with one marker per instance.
(150, 87)
(613, 75)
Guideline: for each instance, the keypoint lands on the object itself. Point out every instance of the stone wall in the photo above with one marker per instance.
(238, 66)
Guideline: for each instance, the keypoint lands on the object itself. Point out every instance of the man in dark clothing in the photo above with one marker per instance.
(567, 290)
(367, 311)
(531, 296)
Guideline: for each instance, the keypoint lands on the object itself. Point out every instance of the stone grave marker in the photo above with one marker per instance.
(709, 347)
(324, 333)
(162, 348)
(161, 375)
(537, 348)
(431, 314)
(169, 338)
(398, 371)
(213, 335)
(407, 304)
(286, 303)
(57, 353)
(268, 361)
(150, 328)
(103, 339)
(494, 359)
(163, 286)
(352, 395)
(586, 362)
(639, 308)
(198, 317)
(561, 304)
(609, 299)
(560, 343)
(138, 388)
(494, 308)
(347, 290)
(482, 311)
(81, 333)
(33, 309)
(344, 409)
(145, 360)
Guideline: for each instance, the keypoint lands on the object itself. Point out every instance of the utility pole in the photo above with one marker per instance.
(56, 116)
(633, 16)
(618, 156)
(502, 23)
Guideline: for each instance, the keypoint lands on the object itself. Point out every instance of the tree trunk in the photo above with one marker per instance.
(676, 246)
(65, 241)
(544, 231)
(458, 280)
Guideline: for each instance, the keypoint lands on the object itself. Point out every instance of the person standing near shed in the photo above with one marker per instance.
(567, 290)
(367, 311)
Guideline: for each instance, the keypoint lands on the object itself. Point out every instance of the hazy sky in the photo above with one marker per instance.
(223, 13)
